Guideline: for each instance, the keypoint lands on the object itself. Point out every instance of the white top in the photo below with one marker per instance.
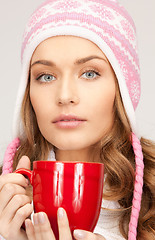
(108, 223)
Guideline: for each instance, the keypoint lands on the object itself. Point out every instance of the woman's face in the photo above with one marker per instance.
(72, 91)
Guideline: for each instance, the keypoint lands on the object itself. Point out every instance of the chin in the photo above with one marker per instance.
(66, 147)
(72, 143)
(70, 146)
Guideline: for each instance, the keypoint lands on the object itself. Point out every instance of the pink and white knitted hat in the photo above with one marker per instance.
(107, 24)
(103, 22)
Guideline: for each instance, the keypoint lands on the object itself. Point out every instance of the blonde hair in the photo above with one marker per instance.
(116, 153)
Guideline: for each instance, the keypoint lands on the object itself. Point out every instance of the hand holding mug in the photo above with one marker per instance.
(15, 205)
(41, 230)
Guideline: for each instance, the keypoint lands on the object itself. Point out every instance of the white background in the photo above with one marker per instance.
(13, 17)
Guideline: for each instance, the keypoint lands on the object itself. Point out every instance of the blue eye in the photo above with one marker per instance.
(91, 74)
(46, 78)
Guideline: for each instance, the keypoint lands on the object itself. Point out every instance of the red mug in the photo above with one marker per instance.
(75, 186)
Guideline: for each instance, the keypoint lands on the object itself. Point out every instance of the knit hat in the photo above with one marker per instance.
(107, 24)
(103, 22)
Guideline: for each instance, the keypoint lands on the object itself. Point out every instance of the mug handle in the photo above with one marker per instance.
(27, 173)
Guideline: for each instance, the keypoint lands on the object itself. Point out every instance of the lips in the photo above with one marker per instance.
(68, 121)
(67, 118)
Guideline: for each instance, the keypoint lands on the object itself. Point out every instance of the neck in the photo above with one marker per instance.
(82, 155)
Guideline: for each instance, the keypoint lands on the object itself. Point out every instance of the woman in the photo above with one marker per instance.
(79, 87)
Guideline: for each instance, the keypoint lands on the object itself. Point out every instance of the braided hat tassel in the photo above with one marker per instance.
(138, 188)
(9, 156)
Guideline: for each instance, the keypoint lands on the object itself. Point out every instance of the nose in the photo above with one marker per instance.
(67, 93)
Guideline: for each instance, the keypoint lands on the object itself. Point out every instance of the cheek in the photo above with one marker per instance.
(36, 103)
(108, 102)
(39, 104)
(104, 108)
(103, 100)
(42, 113)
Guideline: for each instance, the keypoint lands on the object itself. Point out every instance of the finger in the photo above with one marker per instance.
(13, 209)
(8, 191)
(14, 227)
(29, 229)
(85, 235)
(24, 162)
(42, 227)
(63, 225)
(21, 214)
(37, 229)
(14, 178)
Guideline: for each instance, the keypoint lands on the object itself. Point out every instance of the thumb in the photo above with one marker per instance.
(24, 162)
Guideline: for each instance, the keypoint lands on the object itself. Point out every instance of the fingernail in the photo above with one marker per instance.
(26, 224)
(27, 181)
(35, 219)
(79, 234)
(41, 218)
(60, 213)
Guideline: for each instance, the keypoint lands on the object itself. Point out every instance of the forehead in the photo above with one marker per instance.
(68, 46)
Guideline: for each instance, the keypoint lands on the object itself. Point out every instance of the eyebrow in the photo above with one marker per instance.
(77, 62)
